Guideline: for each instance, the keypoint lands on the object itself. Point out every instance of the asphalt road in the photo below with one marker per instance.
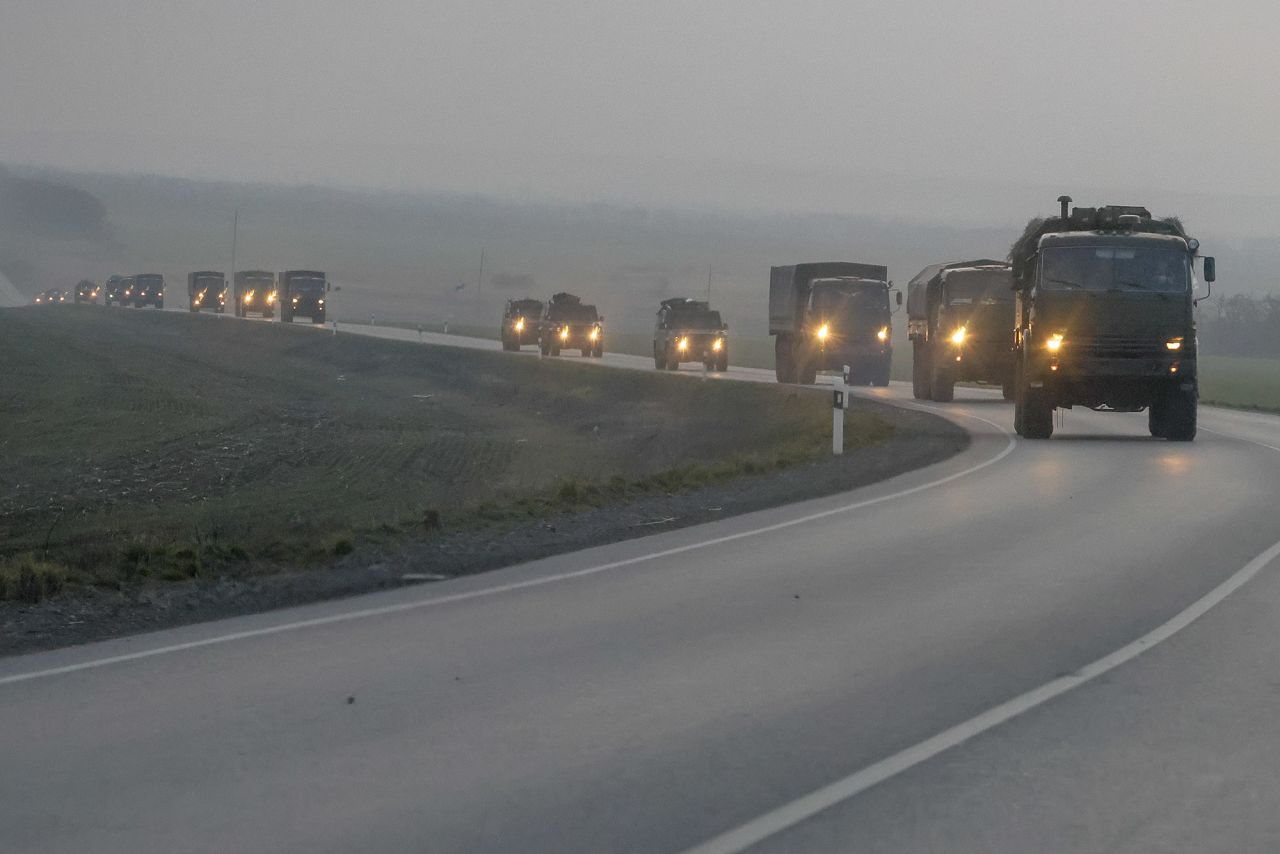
(941, 662)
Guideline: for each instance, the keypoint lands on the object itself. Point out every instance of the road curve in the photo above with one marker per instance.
(659, 693)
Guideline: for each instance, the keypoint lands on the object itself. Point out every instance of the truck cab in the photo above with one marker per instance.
(1105, 312)
(689, 330)
(960, 322)
(86, 291)
(569, 323)
(148, 289)
(113, 290)
(302, 292)
(520, 319)
(255, 293)
(207, 289)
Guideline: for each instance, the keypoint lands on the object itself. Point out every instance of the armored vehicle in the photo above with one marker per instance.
(570, 324)
(520, 320)
(688, 330)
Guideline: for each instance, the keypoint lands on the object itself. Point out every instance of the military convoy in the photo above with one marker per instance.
(960, 322)
(688, 330)
(148, 289)
(113, 290)
(829, 315)
(207, 289)
(1104, 305)
(521, 322)
(570, 324)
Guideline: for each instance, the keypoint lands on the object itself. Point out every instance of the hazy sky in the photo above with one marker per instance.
(795, 105)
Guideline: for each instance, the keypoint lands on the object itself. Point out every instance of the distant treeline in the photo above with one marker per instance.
(1241, 325)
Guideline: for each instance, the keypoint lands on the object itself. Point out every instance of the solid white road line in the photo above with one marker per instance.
(518, 585)
(807, 806)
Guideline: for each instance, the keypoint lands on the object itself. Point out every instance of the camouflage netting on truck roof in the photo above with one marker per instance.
(1024, 248)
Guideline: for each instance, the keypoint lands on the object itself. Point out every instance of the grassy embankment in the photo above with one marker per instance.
(138, 446)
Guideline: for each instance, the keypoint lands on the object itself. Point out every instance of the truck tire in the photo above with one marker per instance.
(659, 358)
(555, 349)
(598, 351)
(318, 317)
(920, 370)
(1007, 389)
(880, 376)
(942, 385)
(673, 361)
(722, 363)
(784, 366)
(807, 369)
(1033, 414)
(1173, 414)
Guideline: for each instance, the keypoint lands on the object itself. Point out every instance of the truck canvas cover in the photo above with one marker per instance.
(789, 287)
(918, 288)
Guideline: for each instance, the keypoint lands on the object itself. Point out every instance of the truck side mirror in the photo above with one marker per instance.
(899, 298)
(328, 286)
(1210, 269)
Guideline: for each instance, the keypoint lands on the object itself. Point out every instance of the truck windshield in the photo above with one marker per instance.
(1115, 268)
(307, 286)
(526, 308)
(574, 314)
(979, 286)
(696, 319)
(846, 301)
(150, 281)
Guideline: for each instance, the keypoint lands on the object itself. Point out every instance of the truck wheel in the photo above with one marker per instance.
(318, 318)
(807, 370)
(784, 366)
(598, 352)
(1007, 388)
(555, 350)
(920, 370)
(942, 385)
(193, 309)
(880, 377)
(1156, 418)
(722, 364)
(673, 361)
(1034, 413)
(1179, 411)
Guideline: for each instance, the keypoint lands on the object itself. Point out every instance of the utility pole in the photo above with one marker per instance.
(235, 233)
(708, 283)
(480, 276)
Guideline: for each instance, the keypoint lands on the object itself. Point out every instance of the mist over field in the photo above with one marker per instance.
(416, 257)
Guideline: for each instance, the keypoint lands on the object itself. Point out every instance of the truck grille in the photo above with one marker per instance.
(1116, 347)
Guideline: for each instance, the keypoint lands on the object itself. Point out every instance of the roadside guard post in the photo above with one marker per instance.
(837, 419)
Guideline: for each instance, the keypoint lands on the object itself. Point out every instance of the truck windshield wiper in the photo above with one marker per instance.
(1066, 282)
(1141, 287)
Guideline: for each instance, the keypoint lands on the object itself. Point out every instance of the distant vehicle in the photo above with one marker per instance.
(302, 292)
(148, 289)
(688, 330)
(207, 289)
(828, 315)
(1105, 308)
(960, 322)
(86, 291)
(255, 293)
(130, 285)
(569, 324)
(113, 290)
(520, 319)
(52, 296)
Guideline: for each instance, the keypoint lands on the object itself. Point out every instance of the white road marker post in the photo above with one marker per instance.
(837, 417)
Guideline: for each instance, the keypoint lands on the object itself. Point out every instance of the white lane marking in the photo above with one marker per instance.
(807, 806)
(517, 585)
(1241, 439)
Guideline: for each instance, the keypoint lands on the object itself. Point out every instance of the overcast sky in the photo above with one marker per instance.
(794, 105)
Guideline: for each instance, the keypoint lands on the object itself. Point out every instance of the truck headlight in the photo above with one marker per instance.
(248, 298)
(595, 333)
(564, 333)
(717, 345)
(957, 337)
(1054, 344)
(1173, 344)
(682, 344)
(883, 334)
(321, 302)
(823, 332)
(271, 298)
(520, 324)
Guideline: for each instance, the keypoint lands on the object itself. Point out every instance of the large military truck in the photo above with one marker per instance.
(960, 323)
(570, 324)
(207, 289)
(302, 292)
(520, 320)
(1105, 308)
(113, 290)
(148, 289)
(255, 292)
(86, 291)
(688, 330)
(831, 314)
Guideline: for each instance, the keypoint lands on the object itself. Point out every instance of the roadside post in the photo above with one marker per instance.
(837, 418)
